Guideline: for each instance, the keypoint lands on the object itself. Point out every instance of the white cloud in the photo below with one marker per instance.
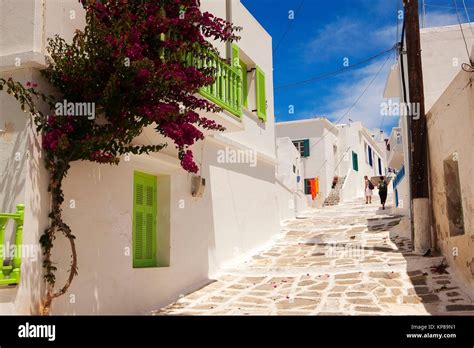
(348, 37)
(368, 108)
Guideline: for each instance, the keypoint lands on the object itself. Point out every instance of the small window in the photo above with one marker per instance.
(453, 195)
(303, 147)
(307, 186)
(355, 161)
(294, 169)
(370, 158)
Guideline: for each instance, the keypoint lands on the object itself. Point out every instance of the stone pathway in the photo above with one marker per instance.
(341, 260)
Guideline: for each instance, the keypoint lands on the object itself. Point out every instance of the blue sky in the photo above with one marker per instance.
(324, 33)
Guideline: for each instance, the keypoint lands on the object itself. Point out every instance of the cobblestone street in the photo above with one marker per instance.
(342, 260)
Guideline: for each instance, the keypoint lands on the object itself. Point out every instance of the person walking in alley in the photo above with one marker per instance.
(383, 191)
(368, 190)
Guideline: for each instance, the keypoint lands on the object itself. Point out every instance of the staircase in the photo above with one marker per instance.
(334, 196)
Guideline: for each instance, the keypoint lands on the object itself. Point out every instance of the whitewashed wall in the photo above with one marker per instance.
(322, 136)
(443, 52)
(291, 197)
(238, 212)
(352, 138)
(450, 132)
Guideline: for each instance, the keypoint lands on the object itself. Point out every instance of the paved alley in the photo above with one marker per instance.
(344, 260)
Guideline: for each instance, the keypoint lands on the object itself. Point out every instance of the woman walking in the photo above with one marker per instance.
(382, 191)
(368, 190)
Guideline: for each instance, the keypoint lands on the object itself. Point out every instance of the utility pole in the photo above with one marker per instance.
(419, 136)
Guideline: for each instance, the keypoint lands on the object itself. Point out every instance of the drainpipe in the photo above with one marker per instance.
(228, 17)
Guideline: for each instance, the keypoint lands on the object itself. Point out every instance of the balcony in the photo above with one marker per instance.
(226, 91)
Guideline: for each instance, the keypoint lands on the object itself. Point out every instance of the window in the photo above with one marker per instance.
(294, 169)
(355, 161)
(369, 155)
(453, 196)
(144, 220)
(307, 186)
(303, 147)
(380, 166)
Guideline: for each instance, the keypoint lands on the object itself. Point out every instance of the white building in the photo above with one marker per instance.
(290, 180)
(448, 106)
(316, 140)
(362, 156)
(237, 212)
(347, 152)
(443, 53)
(397, 165)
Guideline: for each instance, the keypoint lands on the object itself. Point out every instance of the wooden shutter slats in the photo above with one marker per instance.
(144, 224)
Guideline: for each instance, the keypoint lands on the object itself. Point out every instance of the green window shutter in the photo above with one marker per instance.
(261, 95)
(355, 161)
(144, 220)
(306, 149)
(245, 99)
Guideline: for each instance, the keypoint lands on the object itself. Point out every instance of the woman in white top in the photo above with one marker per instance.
(368, 191)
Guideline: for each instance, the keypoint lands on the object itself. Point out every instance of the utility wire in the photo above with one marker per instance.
(333, 73)
(450, 7)
(383, 117)
(462, 31)
(288, 28)
(356, 101)
(467, 15)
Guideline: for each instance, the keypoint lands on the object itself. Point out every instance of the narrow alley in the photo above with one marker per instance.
(343, 260)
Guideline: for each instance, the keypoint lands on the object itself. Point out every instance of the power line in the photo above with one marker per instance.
(333, 73)
(383, 117)
(288, 28)
(467, 15)
(460, 26)
(356, 101)
(449, 7)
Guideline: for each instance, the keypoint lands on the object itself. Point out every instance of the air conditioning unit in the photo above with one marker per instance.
(198, 183)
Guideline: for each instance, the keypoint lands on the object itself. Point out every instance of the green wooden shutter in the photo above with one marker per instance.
(355, 161)
(245, 99)
(306, 150)
(261, 95)
(144, 220)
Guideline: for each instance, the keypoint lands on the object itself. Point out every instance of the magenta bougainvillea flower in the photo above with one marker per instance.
(136, 62)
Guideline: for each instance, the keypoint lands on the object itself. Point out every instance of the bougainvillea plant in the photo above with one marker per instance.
(137, 63)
